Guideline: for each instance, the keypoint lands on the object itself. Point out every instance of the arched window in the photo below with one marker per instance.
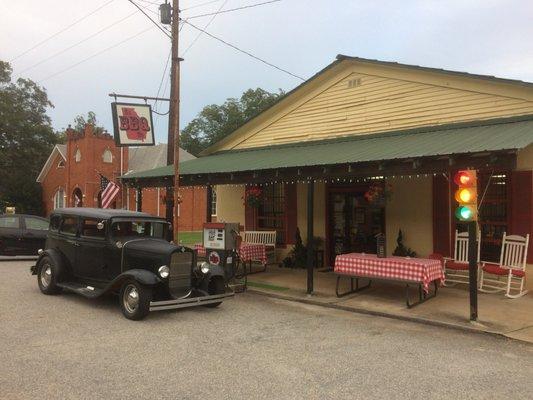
(61, 164)
(107, 157)
(77, 198)
(77, 155)
(59, 198)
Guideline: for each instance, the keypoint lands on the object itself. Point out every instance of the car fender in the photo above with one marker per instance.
(54, 254)
(216, 270)
(142, 276)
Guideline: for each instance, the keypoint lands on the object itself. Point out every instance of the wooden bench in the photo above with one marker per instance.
(267, 238)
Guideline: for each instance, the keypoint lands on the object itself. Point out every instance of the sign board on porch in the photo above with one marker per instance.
(133, 124)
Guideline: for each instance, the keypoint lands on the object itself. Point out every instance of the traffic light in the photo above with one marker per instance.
(466, 195)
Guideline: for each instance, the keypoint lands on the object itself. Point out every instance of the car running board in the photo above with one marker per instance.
(90, 292)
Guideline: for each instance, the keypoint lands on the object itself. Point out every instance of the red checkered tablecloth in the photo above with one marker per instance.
(247, 252)
(200, 249)
(423, 270)
(253, 252)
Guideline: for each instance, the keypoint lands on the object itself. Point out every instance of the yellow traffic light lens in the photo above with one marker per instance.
(465, 196)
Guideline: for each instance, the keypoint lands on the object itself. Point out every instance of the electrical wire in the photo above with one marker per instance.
(61, 31)
(78, 43)
(233, 9)
(150, 18)
(205, 27)
(96, 54)
(200, 5)
(243, 51)
(162, 79)
(150, 2)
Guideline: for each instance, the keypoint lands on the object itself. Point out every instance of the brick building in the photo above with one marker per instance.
(69, 178)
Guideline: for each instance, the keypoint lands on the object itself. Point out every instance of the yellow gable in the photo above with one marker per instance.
(357, 97)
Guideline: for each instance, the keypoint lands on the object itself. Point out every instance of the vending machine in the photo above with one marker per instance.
(220, 243)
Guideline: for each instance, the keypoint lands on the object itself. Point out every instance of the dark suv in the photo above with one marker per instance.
(92, 251)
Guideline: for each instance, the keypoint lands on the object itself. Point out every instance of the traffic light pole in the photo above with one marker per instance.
(472, 268)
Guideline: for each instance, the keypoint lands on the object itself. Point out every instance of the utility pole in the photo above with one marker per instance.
(174, 122)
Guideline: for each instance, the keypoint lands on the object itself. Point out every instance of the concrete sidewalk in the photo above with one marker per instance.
(497, 314)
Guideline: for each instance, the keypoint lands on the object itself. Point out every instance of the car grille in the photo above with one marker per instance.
(179, 282)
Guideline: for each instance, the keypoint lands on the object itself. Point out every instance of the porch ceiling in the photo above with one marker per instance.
(458, 139)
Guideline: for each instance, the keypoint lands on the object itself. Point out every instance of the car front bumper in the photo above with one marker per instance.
(189, 302)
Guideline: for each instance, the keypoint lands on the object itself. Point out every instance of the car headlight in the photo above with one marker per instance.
(204, 267)
(164, 271)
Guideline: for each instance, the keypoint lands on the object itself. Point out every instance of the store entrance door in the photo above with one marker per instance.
(354, 223)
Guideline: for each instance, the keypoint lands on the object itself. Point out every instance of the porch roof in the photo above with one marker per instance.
(466, 138)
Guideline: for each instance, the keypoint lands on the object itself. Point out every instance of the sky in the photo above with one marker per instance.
(117, 48)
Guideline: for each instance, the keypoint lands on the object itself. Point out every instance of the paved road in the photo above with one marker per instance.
(66, 347)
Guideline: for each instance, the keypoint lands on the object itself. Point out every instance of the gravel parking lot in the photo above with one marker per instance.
(67, 347)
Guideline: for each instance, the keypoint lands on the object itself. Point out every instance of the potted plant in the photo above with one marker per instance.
(378, 193)
(253, 196)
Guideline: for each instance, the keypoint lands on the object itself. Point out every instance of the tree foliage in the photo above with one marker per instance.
(80, 121)
(26, 140)
(215, 122)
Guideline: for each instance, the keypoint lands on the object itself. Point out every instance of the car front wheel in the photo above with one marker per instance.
(47, 275)
(135, 300)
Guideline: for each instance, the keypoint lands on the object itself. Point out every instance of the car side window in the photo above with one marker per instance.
(90, 229)
(69, 226)
(55, 221)
(36, 224)
(9, 222)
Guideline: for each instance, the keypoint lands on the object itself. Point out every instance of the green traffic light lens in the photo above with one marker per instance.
(464, 213)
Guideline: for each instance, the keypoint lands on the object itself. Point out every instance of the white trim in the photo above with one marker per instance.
(48, 163)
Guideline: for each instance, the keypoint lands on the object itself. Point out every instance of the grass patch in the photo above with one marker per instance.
(267, 286)
(190, 238)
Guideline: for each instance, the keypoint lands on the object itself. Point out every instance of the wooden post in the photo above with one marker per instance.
(472, 268)
(174, 117)
(209, 201)
(139, 199)
(310, 235)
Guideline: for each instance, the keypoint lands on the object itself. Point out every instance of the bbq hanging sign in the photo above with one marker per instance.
(133, 125)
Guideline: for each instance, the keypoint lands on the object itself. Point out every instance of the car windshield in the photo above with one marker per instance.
(154, 229)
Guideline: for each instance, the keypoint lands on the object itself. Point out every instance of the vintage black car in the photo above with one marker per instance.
(93, 251)
(22, 234)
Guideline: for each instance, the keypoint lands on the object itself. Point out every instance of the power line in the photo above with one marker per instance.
(96, 54)
(150, 2)
(243, 51)
(232, 9)
(78, 43)
(150, 18)
(201, 5)
(62, 30)
(205, 27)
(162, 79)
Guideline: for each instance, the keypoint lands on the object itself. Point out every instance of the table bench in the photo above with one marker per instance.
(266, 238)
(418, 271)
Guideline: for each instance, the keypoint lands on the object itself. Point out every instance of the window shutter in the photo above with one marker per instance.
(291, 212)
(521, 221)
(441, 216)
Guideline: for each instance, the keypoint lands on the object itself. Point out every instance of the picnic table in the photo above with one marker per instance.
(419, 271)
(248, 252)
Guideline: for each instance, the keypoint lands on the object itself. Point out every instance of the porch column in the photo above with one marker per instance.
(310, 235)
(208, 205)
(139, 199)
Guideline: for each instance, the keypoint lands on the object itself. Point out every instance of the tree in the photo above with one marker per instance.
(215, 122)
(26, 140)
(80, 121)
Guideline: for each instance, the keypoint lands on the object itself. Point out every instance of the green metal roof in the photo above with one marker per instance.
(495, 135)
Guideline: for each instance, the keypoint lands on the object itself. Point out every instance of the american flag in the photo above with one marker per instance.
(109, 191)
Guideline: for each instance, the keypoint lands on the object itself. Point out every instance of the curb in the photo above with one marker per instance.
(388, 315)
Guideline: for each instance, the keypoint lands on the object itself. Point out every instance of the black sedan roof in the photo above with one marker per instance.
(102, 213)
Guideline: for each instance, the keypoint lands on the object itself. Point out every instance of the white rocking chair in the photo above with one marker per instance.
(456, 268)
(510, 274)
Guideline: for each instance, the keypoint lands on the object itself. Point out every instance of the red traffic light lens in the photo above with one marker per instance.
(463, 178)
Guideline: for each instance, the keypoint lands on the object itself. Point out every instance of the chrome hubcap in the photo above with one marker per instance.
(130, 298)
(46, 275)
